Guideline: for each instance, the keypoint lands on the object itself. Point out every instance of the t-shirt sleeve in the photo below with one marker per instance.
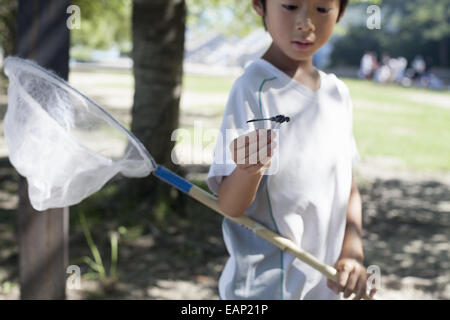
(241, 106)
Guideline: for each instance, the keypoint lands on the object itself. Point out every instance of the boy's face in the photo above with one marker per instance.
(292, 21)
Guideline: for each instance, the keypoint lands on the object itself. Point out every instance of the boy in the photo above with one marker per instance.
(306, 193)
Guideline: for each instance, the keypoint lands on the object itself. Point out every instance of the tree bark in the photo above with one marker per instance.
(158, 50)
(43, 236)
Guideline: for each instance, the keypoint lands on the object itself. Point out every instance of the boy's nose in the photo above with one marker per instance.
(303, 21)
(304, 24)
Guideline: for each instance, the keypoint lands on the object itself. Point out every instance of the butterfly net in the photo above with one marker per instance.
(64, 143)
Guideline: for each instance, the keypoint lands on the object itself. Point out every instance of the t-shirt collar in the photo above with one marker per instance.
(294, 83)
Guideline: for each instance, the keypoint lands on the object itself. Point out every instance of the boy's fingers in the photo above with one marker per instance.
(360, 289)
(245, 166)
(351, 284)
(252, 142)
(252, 169)
(343, 275)
(239, 153)
(265, 165)
(333, 286)
(255, 147)
(258, 168)
(254, 156)
(265, 153)
(262, 136)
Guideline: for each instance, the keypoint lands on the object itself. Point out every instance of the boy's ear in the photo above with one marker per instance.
(257, 5)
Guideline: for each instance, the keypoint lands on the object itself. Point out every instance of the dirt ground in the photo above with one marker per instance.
(406, 221)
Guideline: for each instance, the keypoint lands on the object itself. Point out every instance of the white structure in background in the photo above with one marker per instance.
(208, 54)
(105, 55)
(216, 53)
(251, 47)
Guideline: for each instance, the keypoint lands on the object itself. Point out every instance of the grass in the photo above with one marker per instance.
(207, 84)
(388, 122)
(408, 124)
(191, 83)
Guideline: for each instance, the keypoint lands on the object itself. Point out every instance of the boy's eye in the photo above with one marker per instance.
(323, 10)
(289, 7)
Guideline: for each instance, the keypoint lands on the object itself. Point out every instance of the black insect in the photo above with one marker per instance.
(279, 119)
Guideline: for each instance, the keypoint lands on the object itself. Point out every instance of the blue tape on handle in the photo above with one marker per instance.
(172, 179)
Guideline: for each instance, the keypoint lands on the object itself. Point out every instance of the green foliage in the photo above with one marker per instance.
(357, 40)
(7, 286)
(229, 17)
(408, 28)
(427, 20)
(96, 265)
(104, 23)
(8, 11)
(225, 16)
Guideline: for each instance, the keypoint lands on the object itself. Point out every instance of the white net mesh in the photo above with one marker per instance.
(65, 144)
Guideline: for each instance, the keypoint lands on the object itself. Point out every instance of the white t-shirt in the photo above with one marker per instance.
(304, 197)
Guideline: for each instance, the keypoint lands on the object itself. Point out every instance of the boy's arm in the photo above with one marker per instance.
(237, 191)
(352, 246)
(352, 274)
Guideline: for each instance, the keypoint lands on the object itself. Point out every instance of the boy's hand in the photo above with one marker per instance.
(352, 278)
(252, 152)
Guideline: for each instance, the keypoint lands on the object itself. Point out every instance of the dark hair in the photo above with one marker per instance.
(342, 6)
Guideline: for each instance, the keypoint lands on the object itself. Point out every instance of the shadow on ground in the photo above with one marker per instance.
(405, 234)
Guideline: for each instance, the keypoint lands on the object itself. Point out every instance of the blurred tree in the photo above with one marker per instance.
(230, 17)
(43, 37)
(104, 23)
(8, 12)
(224, 16)
(408, 28)
(349, 49)
(427, 22)
(158, 49)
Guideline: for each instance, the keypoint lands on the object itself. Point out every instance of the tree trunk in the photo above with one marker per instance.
(43, 236)
(158, 50)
